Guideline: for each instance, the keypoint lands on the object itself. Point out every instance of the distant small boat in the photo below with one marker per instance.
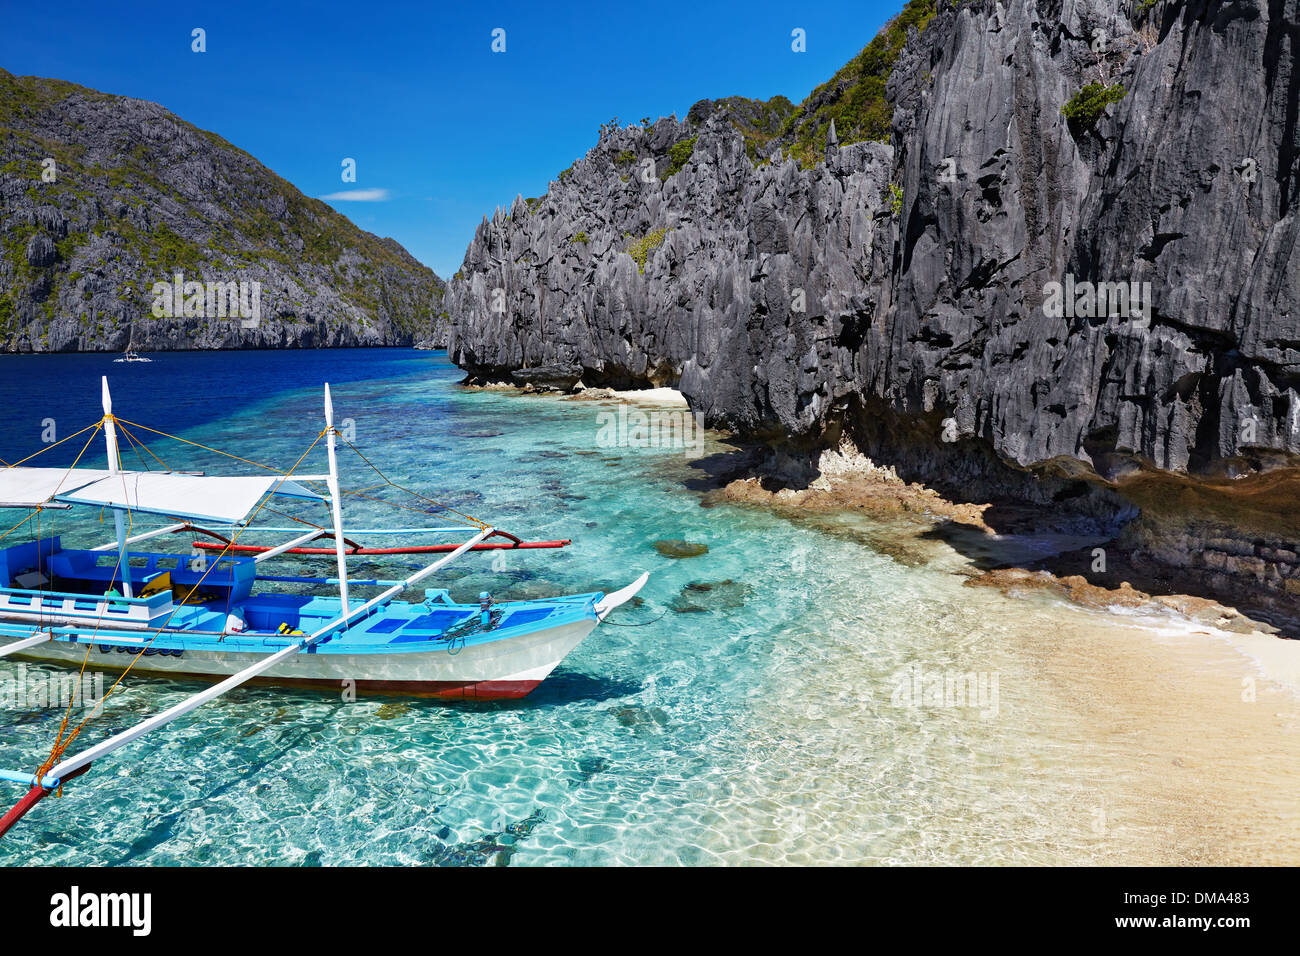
(131, 355)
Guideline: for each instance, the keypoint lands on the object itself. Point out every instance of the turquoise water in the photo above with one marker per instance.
(753, 721)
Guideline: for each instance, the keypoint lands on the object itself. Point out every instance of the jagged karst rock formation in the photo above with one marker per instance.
(137, 195)
(729, 255)
(926, 265)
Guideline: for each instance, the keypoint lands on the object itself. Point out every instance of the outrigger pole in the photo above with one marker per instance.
(119, 520)
(19, 646)
(336, 509)
(71, 767)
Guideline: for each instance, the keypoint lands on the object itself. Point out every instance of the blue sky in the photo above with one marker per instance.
(414, 93)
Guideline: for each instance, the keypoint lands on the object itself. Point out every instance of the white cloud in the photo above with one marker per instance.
(358, 195)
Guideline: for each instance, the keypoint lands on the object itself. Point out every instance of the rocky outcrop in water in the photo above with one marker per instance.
(103, 196)
(1040, 152)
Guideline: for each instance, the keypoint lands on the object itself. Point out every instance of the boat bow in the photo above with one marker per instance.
(620, 597)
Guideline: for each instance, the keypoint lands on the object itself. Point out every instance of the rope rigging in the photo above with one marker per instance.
(68, 731)
(60, 743)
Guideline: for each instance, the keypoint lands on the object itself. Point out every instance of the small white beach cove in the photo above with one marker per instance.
(652, 396)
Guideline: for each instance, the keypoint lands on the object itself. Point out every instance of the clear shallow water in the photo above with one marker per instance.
(765, 727)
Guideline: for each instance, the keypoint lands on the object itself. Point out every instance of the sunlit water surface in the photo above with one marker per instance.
(758, 720)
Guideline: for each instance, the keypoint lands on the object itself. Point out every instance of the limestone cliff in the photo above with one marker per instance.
(1140, 160)
(103, 196)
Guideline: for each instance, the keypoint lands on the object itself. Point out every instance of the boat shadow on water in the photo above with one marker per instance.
(162, 829)
(559, 690)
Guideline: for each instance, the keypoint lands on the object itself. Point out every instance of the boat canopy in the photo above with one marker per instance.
(23, 487)
(200, 497)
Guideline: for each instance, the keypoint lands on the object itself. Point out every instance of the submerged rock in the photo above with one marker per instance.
(704, 596)
(496, 848)
(589, 766)
(677, 548)
(641, 719)
(391, 710)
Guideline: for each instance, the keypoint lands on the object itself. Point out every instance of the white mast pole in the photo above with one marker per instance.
(335, 506)
(119, 520)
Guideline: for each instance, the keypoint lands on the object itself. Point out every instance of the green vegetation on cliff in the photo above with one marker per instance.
(679, 155)
(1086, 106)
(640, 249)
(758, 121)
(128, 194)
(855, 96)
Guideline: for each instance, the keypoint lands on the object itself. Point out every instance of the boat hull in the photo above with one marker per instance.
(509, 668)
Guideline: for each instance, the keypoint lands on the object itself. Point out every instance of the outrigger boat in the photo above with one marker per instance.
(192, 616)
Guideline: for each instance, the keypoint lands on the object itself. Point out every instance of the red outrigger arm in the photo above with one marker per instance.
(356, 549)
(31, 798)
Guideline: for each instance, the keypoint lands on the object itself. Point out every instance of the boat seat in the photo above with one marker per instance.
(266, 612)
(232, 575)
(230, 579)
(31, 556)
(94, 568)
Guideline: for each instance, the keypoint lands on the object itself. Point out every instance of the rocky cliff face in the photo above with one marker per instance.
(102, 196)
(1001, 297)
(720, 276)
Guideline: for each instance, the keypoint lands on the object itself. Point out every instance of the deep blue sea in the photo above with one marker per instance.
(746, 712)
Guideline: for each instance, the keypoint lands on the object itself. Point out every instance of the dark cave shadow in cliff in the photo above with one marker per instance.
(722, 467)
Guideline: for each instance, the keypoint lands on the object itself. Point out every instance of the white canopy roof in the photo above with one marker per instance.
(201, 497)
(22, 487)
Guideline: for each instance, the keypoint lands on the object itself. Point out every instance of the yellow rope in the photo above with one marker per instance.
(218, 451)
(303, 521)
(415, 494)
(468, 519)
(65, 474)
(34, 513)
(97, 425)
(137, 445)
(60, 745)
(118, 573)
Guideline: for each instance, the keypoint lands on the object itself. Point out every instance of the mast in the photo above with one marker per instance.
(119, 520)
(335, 507)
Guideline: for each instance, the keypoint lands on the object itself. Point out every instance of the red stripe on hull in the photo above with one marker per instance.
(442, 689)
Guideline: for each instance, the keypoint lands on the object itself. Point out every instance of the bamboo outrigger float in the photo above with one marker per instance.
(202, 617)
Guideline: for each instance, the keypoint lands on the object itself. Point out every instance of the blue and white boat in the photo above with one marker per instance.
(117, 607)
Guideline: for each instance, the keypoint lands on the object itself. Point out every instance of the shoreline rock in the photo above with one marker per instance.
(1009, 545)
(898, 298)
